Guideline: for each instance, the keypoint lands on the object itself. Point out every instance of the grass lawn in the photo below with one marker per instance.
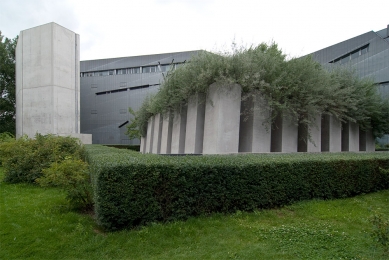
(36, 223)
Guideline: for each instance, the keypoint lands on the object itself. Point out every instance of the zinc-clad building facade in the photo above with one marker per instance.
(108, 87)
(367, 53)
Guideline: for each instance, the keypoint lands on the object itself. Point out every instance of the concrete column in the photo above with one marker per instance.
(195, 124)
(304, 144)
(179, 131)
(254, 136)
(222, 118)
(284, 135)
(366, 141)
(48, 82)
(157, 134)
(331, 134)
(150, 135)
(166, 136)
(143, 144)
(350, 137)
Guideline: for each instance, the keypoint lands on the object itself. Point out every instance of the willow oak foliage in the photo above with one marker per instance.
(299, 88)
(7, 84)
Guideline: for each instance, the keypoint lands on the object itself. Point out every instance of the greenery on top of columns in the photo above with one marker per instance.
(299, 88)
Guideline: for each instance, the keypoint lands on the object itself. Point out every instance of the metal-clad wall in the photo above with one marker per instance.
(103, 113)
(373, 64)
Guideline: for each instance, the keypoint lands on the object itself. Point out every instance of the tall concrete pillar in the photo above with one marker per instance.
(254, 134)
(366, 141)
(284, 135)
(179, 131)
(350, 137)
(331, 134)
(48, 82)
(157, 134)
(313, 145)
(150, 135)
(195, 124)
(166, 136)
(143, 144)
(222, 118)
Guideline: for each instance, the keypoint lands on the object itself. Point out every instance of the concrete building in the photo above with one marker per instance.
(110, 86)
(48, 83)
(51, 98)
(367, 53)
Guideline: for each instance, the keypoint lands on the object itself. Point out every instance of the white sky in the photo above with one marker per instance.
(118, 28)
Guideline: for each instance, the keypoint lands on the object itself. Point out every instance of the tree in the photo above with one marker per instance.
(133, 128)
(7, 84)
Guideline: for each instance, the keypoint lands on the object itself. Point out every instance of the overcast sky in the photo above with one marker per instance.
(118, 28)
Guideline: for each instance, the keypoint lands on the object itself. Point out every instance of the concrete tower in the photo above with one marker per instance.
(48, 82)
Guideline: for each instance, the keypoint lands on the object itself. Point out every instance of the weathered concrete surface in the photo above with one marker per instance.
(350, 137)
(313, 145)
(331, 134)
(366, 141)
(195, 125)
(84, 138)
(284, 135)
(179, 131)
(254, 135)
(157, 134)
(166, 136)
(222, 118)
(143, 144)
(47, 81)
(150, 135)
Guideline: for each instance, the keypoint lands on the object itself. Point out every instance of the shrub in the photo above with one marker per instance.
(24, 159)
(72, 176)
(6, 140)
(132, 189)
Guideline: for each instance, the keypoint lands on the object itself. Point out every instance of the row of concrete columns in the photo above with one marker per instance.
(222, 123)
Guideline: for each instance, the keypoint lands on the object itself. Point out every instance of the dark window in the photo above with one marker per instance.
(120, 126)
(165, 67)
(134, 70)
(351, 55)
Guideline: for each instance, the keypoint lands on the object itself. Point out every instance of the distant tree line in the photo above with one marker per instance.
(7, 84)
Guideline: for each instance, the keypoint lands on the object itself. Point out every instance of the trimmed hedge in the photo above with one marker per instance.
(132, 189)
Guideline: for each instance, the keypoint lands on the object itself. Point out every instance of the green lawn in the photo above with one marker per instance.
(36, 223)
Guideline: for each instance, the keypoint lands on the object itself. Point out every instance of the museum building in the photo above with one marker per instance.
(110, 86)
(367, 53)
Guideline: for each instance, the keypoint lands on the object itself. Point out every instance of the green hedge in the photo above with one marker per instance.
(132, 189)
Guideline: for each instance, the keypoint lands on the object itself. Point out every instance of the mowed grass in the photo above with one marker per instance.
(36, 223)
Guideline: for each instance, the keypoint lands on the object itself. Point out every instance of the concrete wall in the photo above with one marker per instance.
(179, 131)
(143, 144)
(331, 137)
(47, 81)
(166, 136)
(314, 144)
(350, 137)
(150, 135)
(226, 124)
(366, 141)
(222, 118)
(157, 134)
(195, 125)
(284, 135)
(254, 134)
